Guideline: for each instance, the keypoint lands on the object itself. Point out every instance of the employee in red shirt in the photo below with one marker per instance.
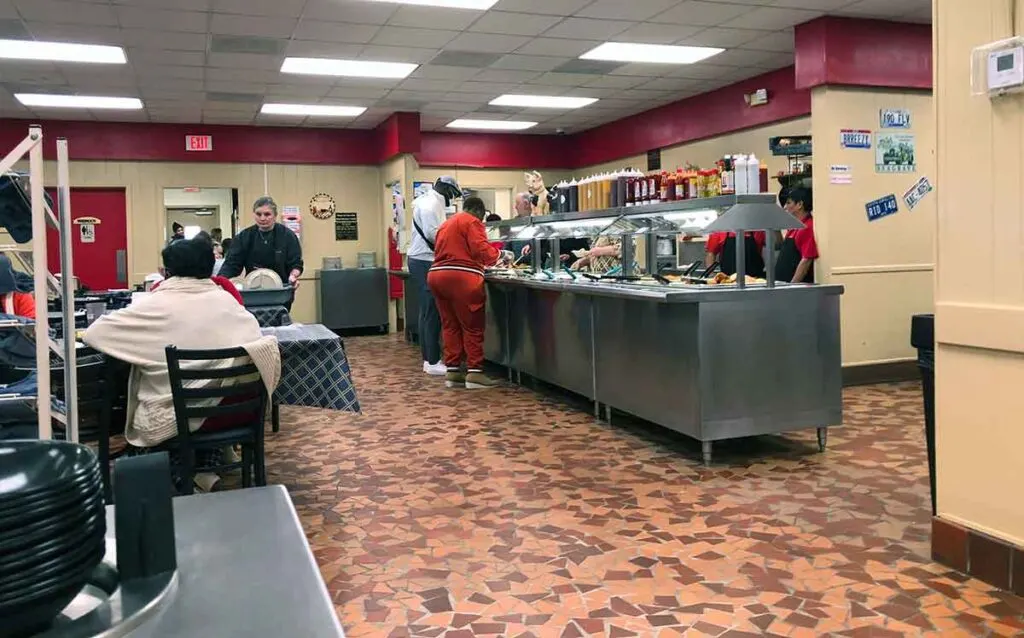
(721, 247)
(456, 279)
(799, 250)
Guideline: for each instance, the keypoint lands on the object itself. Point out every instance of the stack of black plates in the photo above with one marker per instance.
(52, 526)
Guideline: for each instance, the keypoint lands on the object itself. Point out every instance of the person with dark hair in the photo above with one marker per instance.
(188, 310)
(456, 280)
(221, 281)
(493, 217)
(267, 244)
(799, 249)
(16, 296)
(226, 245)
(217, 235)
(177, 233)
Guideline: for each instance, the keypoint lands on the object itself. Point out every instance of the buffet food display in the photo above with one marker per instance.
(672, 342)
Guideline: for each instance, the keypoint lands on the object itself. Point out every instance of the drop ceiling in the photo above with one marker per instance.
(217, 61)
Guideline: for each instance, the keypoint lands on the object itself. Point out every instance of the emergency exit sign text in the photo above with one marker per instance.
(198, 142)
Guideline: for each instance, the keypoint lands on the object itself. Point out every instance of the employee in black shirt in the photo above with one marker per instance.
(265, 245)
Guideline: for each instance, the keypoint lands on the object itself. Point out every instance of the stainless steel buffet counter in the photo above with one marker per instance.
(711, 362)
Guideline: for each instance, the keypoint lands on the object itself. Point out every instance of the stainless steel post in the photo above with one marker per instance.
(593, 360)
(35, 167)
(537, 257)
(741, 259)
(67, 281)
(652, 253)
(769, 263)
(628, 255)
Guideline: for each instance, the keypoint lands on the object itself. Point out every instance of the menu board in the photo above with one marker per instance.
(346, 226)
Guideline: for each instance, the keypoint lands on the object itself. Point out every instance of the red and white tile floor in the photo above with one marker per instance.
(507, 513)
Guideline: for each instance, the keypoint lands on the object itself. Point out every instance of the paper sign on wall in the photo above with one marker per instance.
(87, 228)
(839, 174)
(854, 138)
(916, 193)
(291, 217)
(895, 153)
(881, 208)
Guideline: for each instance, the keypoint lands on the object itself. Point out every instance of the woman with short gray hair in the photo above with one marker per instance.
(267, 244)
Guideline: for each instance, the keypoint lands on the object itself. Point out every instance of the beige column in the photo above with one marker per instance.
(979, 279)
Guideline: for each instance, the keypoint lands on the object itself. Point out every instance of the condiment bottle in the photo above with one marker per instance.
(725, 167)
(641, 191)
(753, 174)
(693, 178)
(668, 186)
(681, 185)
(654, 188)
(763, 177)
(630, 189)
(742, 175)
(574, 196)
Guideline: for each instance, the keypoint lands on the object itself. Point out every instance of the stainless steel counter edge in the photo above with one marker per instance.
(705, 294)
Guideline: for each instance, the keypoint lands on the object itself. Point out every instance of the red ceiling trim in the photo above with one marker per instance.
(399, 134)
(486, 150)
(856, 52)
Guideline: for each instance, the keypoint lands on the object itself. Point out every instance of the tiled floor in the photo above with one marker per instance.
(450, 513)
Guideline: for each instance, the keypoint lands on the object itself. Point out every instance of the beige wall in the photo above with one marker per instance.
(354, 188)
(706, 152)
(886, 265)
(979, 279)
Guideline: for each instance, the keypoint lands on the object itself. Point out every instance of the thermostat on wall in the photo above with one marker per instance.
(998, 68)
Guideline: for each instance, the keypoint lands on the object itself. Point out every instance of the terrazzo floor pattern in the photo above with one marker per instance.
(511, 513)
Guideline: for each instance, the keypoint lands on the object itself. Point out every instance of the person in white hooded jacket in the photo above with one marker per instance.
(189, 311)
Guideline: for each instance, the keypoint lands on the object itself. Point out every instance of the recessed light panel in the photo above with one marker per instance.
(317, 110)
(347, 68)
(61, 52)
(78, 101)
(491, 125)
(650, 53)
(543, 101)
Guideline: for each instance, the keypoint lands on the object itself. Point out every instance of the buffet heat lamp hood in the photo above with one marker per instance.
(753, 216)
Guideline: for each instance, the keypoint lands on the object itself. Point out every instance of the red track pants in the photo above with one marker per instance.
(461, 299)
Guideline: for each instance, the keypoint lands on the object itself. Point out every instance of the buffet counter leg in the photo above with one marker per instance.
(705, 452)
(822, 439)
(608, 413)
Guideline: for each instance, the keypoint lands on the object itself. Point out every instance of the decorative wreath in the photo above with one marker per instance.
(322, 206)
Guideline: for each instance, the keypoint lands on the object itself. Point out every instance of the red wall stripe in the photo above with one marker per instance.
(485, 150)
(855, 52)
(399, 134)
(700, 117)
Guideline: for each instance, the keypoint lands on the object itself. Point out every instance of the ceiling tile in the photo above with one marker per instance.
(444, 72)
(160, 56)
(382, 53)
(655, 33)
(772, 18)
(587, 29)
(149, 18)
(557, 47)
(780, 42)
(216, 74)
(518, 62)
(253, 25)
(426, 84)
(550, 7)
(513, 23)
(697, 13)
(564, 79)
(499, 75)
(243, 61)
(184, 5)
(815, 5)
(701, 71)
(349, 11)
(644, 70)
(59, 11)
(489, 88)
(357, 92)
(146, 39)
(724, 38)
(77, 33)
(323, 31)
(432, 18)
(617, 81)
(160, 71)
(625, 10)
(271, 8)
(313, 49)
(489, 43)
(421, 38)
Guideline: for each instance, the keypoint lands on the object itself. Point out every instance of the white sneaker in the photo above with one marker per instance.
(438, 369)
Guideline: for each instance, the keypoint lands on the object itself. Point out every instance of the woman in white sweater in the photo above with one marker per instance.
(189, 311)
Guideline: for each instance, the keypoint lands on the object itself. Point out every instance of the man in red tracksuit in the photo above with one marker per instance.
(461, 253)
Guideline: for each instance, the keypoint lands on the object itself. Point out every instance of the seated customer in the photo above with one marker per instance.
(223, 282)
(190, 311)
(15, 296)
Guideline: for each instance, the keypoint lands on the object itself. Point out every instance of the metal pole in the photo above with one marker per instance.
(769, 243)
(741, 259)
(67, 294)
(35, 167)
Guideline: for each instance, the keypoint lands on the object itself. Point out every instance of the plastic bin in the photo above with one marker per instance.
(267, 297)
(922, 337)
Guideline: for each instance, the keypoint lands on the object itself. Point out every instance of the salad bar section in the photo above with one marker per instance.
(666, 341)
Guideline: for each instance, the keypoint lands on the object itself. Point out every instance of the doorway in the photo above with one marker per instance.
(99, 243)
(201, 209)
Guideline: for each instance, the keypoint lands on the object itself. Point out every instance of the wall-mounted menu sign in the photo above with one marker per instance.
(346, 226)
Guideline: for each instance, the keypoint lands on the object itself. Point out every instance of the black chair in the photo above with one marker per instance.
(102, 406)
(236, 392)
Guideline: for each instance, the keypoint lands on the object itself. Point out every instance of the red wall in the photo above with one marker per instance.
(857, 52)
(483, 150)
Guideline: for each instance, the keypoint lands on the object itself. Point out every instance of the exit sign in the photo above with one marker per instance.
(198, 142)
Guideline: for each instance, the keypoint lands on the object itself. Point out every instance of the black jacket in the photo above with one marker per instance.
(279, 250)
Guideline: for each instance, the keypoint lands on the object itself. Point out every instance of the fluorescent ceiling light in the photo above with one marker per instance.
(61, 52)
(78, 101)
(650, 53)
(492, 125)
(347, 68)
(312, 109)
(479, 5)
(543, 101)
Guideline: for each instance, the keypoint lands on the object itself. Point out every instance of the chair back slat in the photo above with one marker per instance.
(251, 388)
(211, 374)
(251, 407)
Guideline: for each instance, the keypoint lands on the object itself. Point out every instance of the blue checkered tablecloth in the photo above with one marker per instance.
(314, 368)
(271, 316)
